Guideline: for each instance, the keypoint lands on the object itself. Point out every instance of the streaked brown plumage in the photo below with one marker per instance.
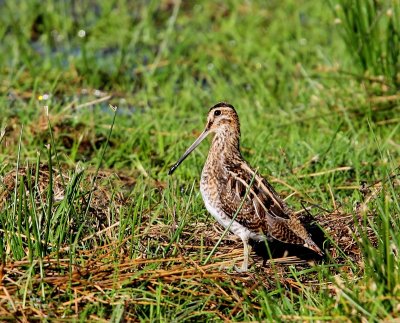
(228, 182)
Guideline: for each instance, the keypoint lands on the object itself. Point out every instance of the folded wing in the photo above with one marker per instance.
(262, 211)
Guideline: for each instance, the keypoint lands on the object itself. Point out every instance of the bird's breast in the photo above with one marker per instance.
(213, 181)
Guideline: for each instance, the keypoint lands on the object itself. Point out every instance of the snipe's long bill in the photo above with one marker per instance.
(228, 182)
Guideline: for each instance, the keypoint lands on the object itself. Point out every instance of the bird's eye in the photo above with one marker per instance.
(217, 112)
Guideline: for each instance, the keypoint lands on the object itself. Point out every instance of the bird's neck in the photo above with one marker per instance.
(225, 146)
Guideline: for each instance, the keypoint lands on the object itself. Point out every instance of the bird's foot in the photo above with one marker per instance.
(242, 269)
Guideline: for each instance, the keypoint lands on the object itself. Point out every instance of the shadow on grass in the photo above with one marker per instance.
(278, 249)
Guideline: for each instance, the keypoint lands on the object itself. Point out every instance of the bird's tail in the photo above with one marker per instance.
(313, 246)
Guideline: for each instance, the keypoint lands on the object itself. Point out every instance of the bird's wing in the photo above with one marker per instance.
(262, 209)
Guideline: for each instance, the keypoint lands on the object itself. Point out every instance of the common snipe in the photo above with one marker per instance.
(230, 187)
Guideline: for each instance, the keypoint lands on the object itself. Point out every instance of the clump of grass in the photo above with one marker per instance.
(371, 31)
(154, 269)
(379, 243)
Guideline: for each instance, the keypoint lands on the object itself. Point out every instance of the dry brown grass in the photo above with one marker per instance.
(127, 265)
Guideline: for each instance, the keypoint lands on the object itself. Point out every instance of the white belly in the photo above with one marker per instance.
(225, 220)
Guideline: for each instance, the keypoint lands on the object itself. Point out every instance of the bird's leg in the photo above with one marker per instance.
(246, 252)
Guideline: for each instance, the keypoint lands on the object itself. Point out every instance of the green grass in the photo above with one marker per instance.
(137, 250)
(371, 31)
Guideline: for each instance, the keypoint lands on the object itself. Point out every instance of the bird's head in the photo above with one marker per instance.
(222, 119)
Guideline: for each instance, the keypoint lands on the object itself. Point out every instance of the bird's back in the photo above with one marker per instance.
(259, 208)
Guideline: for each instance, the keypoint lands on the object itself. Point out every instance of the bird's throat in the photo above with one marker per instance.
(225, 146)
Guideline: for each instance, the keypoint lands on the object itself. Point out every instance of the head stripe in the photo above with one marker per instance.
(222, 105)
